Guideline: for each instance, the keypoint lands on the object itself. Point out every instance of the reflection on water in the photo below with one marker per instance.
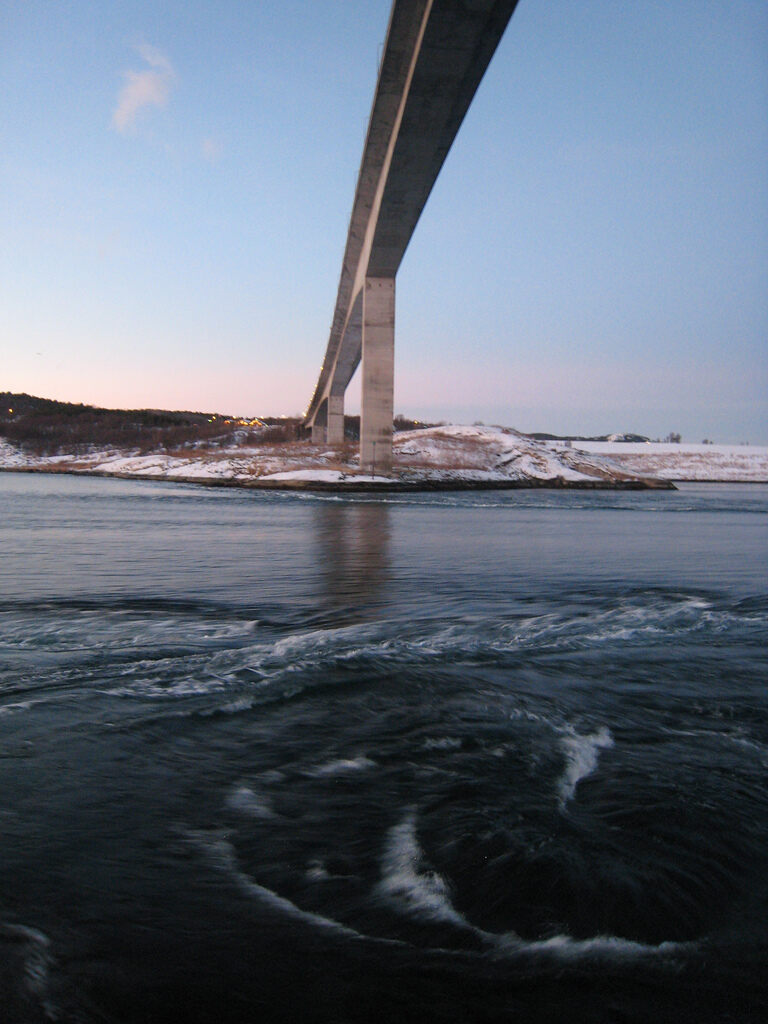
(353, 555)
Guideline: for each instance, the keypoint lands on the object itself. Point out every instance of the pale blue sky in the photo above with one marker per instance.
(176, 179)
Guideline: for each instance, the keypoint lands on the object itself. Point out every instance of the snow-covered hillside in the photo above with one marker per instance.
(496, 454)
(719, 462)
(438, 456)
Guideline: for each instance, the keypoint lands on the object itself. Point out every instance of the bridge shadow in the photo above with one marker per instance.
(353, 555)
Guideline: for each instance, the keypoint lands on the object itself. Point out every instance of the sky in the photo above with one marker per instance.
(176, 180)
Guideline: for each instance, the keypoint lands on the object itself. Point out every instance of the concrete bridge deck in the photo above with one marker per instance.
(435, 55)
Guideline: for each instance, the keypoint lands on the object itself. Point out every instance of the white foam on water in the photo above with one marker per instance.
(65, 631)
(234, 707)
(342, 767)
(404, 883)
(150, 690)
(641, 620)
(581, 756)
(604, 946)
(223, 855)
(425, 894)
(247, 802)
(654, 617)
(444, 743)
(343, 641)
(19, 706)
(532, 716)
(237, 662)
(266, 665)
(317, 871)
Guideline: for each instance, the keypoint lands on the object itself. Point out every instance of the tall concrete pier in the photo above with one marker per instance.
(435, 55)
(378, 373)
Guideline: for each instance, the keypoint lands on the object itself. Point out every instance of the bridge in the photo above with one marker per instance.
(435, 55)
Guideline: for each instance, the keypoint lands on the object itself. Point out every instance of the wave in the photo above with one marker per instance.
(17, 707)
(581, 754)
(317, 871)
(405, 883)
(221, 852)
(409, 887)
(581, 751)
(425, 895)
(171, 657)
(342, 767)
(600, 946)
(247, 802)
(443, 743)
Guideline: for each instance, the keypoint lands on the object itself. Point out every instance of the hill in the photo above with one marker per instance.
(44, 426)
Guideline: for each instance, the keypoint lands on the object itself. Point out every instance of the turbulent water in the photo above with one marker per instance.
(468, 757)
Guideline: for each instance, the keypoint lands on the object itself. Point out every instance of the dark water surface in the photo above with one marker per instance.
(476, 757)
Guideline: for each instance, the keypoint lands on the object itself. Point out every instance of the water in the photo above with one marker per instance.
(476, 757)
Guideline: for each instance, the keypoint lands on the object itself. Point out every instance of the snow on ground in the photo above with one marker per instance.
(492, 453)
(438, 455)
(721, 462)
(11, 457)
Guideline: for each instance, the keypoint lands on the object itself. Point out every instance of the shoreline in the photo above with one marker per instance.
(385, 485)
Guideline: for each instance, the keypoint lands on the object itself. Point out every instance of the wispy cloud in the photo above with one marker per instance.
(150, 87)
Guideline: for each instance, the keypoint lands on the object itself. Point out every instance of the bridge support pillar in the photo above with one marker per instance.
(335, 419)
(378, 373)
(319, 433)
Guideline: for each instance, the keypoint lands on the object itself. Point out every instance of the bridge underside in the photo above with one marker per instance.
(435, 55)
